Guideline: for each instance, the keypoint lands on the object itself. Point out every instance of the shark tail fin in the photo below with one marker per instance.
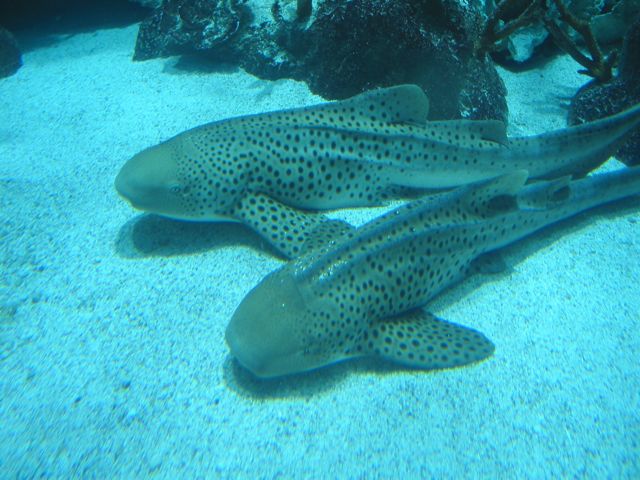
(592, 143)
(419, 339)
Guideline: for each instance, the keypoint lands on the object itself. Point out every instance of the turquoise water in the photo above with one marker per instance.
(112, 353)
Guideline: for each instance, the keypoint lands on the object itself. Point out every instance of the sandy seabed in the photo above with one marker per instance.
(112, 355)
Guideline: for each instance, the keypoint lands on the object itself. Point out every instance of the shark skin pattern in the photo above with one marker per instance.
(363, 295)
(269, 170)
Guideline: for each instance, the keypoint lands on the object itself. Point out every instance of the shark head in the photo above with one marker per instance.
(267, 333)
(163, 180)
(150, 182)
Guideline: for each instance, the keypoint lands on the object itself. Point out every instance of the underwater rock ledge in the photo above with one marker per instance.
(10, 56)
(340, 48)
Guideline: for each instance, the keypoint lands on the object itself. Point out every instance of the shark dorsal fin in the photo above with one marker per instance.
(546, 194)
(468, 133)
(491, 197)
(368, 111)
(399, 104)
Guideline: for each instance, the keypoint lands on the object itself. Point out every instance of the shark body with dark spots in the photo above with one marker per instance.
(363, 295)
(267, 170)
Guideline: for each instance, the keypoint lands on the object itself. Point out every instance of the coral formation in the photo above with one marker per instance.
(522, 25)
(559, 21)
(597, 100)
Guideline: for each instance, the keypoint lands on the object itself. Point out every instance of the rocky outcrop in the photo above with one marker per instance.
(340, 48)
(10, 56)
(184, 26)
(70, 15)
(596, 100)
(148, 3)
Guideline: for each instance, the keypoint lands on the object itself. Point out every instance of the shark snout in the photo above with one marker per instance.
(147, 179)
(132, 185)
(123, 184)
(261, 333)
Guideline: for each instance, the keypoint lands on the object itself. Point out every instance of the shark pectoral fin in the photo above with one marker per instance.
(420, 340)
(325, 234)
(546, 194)
(286, 228)
(398, 104)
(490, 263)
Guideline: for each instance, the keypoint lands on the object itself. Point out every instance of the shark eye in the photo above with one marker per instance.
(175, 188)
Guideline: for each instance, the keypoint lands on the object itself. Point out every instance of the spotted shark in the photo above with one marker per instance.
(270, 170)
(363, 294)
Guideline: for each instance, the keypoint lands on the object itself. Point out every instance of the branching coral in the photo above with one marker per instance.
(598, 65)
(595, 64)
(494, 32)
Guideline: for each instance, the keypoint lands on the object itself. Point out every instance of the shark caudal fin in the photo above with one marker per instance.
(575, 150)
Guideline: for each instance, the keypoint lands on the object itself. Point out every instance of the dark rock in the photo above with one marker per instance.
(596, 100)
(183, 26)
(67, 15)
(10, 57)
(341, 48)
(482, 95)
(148, 3)
(359, 45)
